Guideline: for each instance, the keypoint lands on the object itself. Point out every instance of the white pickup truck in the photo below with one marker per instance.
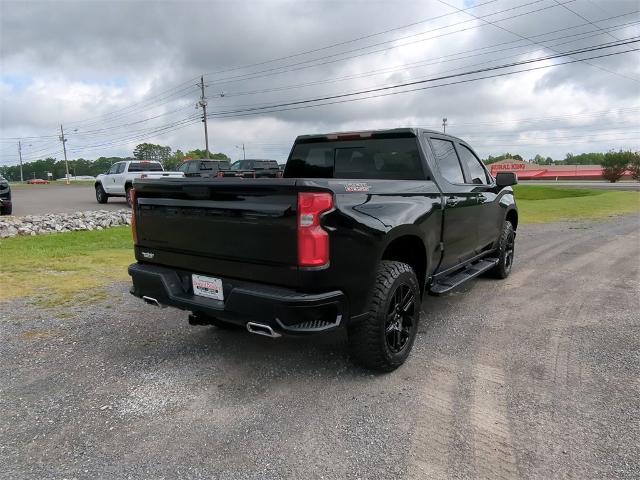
(118, 181)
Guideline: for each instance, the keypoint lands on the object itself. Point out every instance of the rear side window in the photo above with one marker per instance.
(390, 158)
(145, 167)
(447, 160)
(476, 171)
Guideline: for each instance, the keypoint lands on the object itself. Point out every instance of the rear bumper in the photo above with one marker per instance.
(284, 310)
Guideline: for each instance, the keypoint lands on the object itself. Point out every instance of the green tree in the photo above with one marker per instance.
(174, 160)
(151, 151)
(198, 154)
(615, 164)
(592, 158)
(634, 166)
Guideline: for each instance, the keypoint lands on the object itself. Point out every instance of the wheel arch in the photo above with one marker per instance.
(409, 248)
(512, 216)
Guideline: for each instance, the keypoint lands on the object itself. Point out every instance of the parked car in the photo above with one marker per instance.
(203, 168)
(261, 168)
(6, 207)
(361, 225)
(37, 181)
(118, 181)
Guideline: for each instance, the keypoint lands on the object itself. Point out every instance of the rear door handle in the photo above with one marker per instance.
(452, 201)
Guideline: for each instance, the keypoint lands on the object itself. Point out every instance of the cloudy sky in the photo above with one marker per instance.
(116, 74)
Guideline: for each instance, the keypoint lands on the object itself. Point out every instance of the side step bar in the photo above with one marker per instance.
(448, 283)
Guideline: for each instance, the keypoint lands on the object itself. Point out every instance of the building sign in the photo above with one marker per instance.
(508, 166)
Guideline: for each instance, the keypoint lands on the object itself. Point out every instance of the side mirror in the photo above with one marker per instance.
(506, 179)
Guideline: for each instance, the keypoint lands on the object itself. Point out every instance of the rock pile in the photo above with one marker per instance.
(63, 222)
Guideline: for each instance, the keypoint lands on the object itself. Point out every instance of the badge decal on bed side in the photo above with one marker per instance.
(357, 187)
(148, 255)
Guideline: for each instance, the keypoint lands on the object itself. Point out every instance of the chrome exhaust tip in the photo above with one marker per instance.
(153, 301)
(261, 329)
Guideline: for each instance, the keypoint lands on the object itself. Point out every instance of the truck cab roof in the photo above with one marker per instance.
(380, 133)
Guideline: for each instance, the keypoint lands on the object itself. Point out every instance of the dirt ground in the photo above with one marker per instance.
(535, 376)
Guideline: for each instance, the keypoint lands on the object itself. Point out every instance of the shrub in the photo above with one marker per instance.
(634, 166)
(615, 164)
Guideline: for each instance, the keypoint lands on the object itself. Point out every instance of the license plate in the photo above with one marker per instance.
(209, 287)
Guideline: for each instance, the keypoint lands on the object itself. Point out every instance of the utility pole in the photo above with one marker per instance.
(20, 155)
(444, 125)
(64, 148)
(203, 104)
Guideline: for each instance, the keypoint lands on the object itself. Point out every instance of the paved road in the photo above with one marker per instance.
(634, 186)
(39, 199)
(532, 377)
(53, 198)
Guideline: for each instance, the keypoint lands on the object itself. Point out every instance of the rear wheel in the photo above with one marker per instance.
(384, 339)
(506, 251)
(101, 195)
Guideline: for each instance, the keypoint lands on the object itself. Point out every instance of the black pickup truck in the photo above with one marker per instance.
(6, 206)
(359, 227)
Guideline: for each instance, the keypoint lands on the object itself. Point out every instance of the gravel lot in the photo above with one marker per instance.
(54, 198)
(532, 377)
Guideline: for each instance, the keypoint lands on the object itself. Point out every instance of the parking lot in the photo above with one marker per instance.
(532, 377)
(59, 198)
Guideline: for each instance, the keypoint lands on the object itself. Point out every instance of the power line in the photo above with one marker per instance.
(303, 65)
(539, 43)
(441, 72)
(445, 77)
(346, 42)
(585, 19)
(177, 88)
(441, 59)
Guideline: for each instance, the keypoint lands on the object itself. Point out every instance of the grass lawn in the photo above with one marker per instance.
(53, 268)
(542, 204)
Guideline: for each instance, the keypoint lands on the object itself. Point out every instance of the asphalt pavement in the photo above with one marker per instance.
(535, 376)
(59, 198)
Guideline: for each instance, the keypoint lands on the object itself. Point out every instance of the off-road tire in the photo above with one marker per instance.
(506, 250)
(368, 338)
(101, 195)
(6, 210)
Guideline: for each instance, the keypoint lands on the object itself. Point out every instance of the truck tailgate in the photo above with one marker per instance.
(227, 227)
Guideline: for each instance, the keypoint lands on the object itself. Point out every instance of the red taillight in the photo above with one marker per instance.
(220, 174)
(134, 205)
(313, 240)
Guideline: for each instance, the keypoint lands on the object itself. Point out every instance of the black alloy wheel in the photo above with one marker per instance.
(509, 250)
(400, 318)
(506, 252)
(383, 339)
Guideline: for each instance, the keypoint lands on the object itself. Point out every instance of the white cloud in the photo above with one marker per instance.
(72, 62)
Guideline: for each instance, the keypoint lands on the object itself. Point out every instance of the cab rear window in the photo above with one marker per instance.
(145, 167)
(375, 158)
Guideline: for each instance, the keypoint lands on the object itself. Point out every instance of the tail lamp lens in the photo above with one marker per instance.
(313, 240)
(134, 207)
